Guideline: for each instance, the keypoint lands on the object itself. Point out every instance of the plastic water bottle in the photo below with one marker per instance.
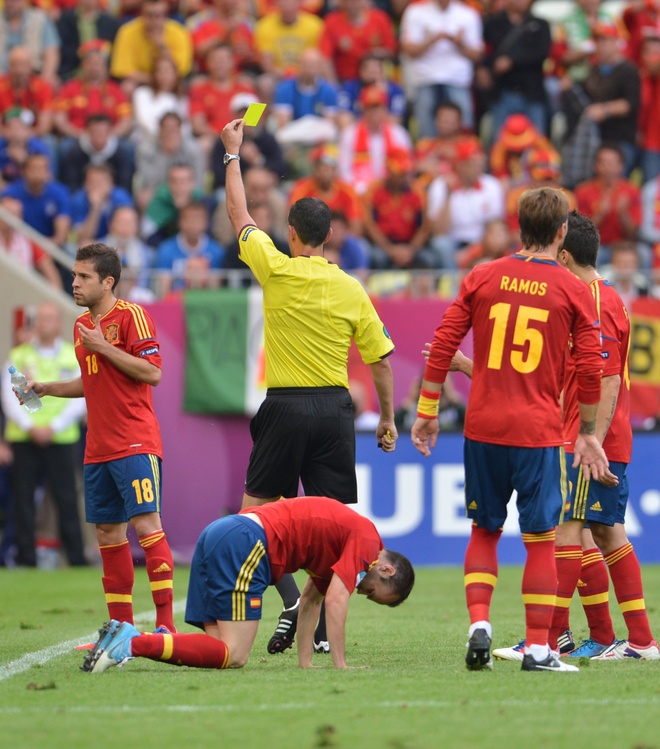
(31, 400)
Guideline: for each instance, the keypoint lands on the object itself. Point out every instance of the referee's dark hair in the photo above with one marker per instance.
(310, 217)
(582, 240)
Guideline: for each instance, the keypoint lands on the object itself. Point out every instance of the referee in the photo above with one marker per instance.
(303, 431)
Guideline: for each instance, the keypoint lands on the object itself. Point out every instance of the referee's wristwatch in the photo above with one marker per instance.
(230, 157)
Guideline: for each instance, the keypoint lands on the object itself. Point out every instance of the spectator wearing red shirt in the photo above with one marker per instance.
(638, 17)
(394, 219)
(351, 31)
(612, 202)
(497, 242)
(210, 97)
(225, 22)
(92, 93)
(20, 88)
(324, 184)
(649, 115)
(435, 156)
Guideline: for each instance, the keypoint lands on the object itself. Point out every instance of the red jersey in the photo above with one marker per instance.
(340, 198)
(649, 113)
(321, 536)
(397, 214)
(238, 36)
(79, 101)
(344, 44)
(590, 196)
(213, 102)
(615, 341)
(522, 310)
(120, 413)
(37, 96)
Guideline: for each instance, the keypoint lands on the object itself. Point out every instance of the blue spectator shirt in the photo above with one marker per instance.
(40, 211)
(80, 207)
(320, 100)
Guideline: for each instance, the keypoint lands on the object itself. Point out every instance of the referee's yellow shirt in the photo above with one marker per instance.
(312, 310)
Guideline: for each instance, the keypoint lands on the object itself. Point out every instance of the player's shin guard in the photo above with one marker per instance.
(480, 572)
(627, 580)
(197, 650)
(594, 589)
(160, 569)
(569, 561)
(118, 578)
(539, 585)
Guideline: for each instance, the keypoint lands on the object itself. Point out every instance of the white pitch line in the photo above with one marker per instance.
(40, 657)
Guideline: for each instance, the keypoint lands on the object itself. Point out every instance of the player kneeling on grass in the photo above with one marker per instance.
(235, 560)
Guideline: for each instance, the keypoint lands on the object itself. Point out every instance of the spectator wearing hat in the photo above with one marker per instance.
(613, 86)
(543, 166)
(324, 184)
(460, 206)
(23, 250)
(154, 157)
(649, 115)
(211, 95)
(282, 35)
(352, 30)
(638, 18)
(305, 105)
(259, 147)
(224, 22)
(511, 77)
(612, 201)
(21, 88)
(32, 30)
(363, 146)
(442, 40)
(73, 27)
(394, 218)
(92, 93)
(516, 139)
(140, 41)
(371, 72)
(17, 143)
(96, 145)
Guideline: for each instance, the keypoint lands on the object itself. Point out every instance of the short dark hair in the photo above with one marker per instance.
(105, 259)
(449, 105)
(310, 217)
(403, 579)
(610, 145)
(582, 240)
(540, 213)
(98, 117)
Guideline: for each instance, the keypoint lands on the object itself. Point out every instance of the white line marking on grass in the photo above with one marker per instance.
(40, 657)
(278, 707)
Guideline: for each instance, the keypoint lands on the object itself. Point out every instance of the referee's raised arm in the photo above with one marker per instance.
(232, 137)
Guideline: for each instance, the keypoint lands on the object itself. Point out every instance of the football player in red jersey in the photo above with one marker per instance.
(235, 560)
(522, 309)
(118, 352)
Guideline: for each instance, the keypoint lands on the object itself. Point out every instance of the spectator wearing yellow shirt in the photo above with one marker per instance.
(141, 41)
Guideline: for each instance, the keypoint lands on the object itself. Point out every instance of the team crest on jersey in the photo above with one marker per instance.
(111, 333)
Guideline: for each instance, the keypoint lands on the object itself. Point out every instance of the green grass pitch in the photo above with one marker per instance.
(409, 688)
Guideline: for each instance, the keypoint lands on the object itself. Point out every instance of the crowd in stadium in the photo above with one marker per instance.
(419, 123)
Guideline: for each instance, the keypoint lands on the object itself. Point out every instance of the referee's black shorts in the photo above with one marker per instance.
(304, 434)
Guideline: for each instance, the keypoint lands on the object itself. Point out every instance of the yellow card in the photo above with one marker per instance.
(253, 114)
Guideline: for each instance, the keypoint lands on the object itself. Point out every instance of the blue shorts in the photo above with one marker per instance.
(493, 472)
(120, 489)
(594, 503)
(229, 572)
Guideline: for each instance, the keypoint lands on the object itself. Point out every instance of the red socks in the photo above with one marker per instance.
(594, 589)
(539, 585)
(627, 580)
(197, 650)
(160, 569)
(480, 572)
(118, 578)
(569, 561)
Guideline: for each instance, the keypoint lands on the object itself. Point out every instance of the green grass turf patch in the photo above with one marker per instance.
(409, 690)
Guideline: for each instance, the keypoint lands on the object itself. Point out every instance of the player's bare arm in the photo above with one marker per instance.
(588, 451)
(424, 432)
(232, 138)
(133, 366)
(336, 610)
(609, 395)
(62, 389)
(386, 433)
(308, 616)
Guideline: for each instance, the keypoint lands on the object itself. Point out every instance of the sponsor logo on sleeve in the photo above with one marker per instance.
(149, 351)
(247, 233)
